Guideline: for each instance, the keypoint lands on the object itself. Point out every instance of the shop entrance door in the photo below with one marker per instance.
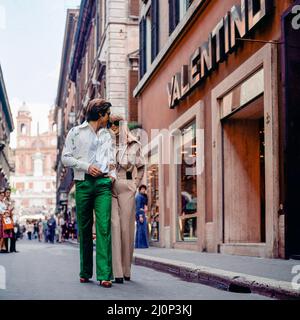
(244, 175)
(245, 160)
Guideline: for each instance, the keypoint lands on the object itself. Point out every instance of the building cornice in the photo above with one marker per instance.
(66, 52)
(82, 30)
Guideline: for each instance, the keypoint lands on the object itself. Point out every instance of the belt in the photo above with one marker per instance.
(125, 175)
(104, 175)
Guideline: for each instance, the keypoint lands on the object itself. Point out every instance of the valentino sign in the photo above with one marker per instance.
(221, 41)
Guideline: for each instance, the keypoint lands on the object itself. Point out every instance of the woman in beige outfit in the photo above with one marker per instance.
(129, 172)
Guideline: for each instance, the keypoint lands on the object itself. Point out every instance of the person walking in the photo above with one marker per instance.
(51, 228)
(71, 228)
(40, 230)
(45, 229)
(129, 171)
(3, 211)
(29, 229)
(141, 237)
(13, 232)
(61, 223)
(89, 151)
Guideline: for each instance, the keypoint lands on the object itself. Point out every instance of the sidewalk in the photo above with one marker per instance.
(269, 277)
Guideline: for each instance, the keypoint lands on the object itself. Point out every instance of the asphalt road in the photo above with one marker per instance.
(50, 272)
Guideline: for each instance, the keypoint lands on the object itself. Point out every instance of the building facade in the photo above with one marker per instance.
(99, 59)
(34, 180)
(64, 114)
(210, 100)
(105, 57)
(6, 127)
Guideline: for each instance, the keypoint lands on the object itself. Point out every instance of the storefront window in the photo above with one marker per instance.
(187, 184)
(153, 196)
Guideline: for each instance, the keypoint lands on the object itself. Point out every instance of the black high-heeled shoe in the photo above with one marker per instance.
(118, 280)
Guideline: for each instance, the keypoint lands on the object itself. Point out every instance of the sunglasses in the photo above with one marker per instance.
(116, 123)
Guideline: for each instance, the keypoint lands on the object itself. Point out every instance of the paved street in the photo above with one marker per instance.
(44, 271)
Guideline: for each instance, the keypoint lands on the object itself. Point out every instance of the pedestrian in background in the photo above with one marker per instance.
(30, 229)
(35, 230)
(45, 229)
(8, 222)
(40, 230)
(2, 215)
(51, 228)
(12, 233)
(71, 228)
(23, 230)
(130, 170)
(141, 237)
(61, 224)
(88, 150)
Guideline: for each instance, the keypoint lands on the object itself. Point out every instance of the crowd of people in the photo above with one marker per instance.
(51, 229)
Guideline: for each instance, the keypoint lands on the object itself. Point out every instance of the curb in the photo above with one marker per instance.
(220, 279)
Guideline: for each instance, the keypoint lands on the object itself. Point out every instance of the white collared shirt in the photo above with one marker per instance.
(84, 147)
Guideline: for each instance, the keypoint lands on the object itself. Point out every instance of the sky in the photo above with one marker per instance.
(31, 40)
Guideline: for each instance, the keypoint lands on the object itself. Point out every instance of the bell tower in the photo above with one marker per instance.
(24, 121)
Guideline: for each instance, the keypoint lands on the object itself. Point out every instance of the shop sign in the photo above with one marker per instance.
(222, 41)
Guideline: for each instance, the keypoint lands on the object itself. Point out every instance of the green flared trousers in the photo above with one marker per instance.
(94, 194)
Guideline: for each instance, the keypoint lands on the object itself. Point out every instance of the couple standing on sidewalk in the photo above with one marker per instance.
(107, 175)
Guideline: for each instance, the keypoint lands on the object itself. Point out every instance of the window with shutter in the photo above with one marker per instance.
(143, 47)
(154, 29)
(174, 14)
(171, 15)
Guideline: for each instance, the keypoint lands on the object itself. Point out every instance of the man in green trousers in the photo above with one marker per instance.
(89, 151)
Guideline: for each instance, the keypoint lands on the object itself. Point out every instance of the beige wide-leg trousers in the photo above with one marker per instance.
(123, 225)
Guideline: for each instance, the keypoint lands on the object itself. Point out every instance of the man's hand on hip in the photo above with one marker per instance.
(94, 171)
